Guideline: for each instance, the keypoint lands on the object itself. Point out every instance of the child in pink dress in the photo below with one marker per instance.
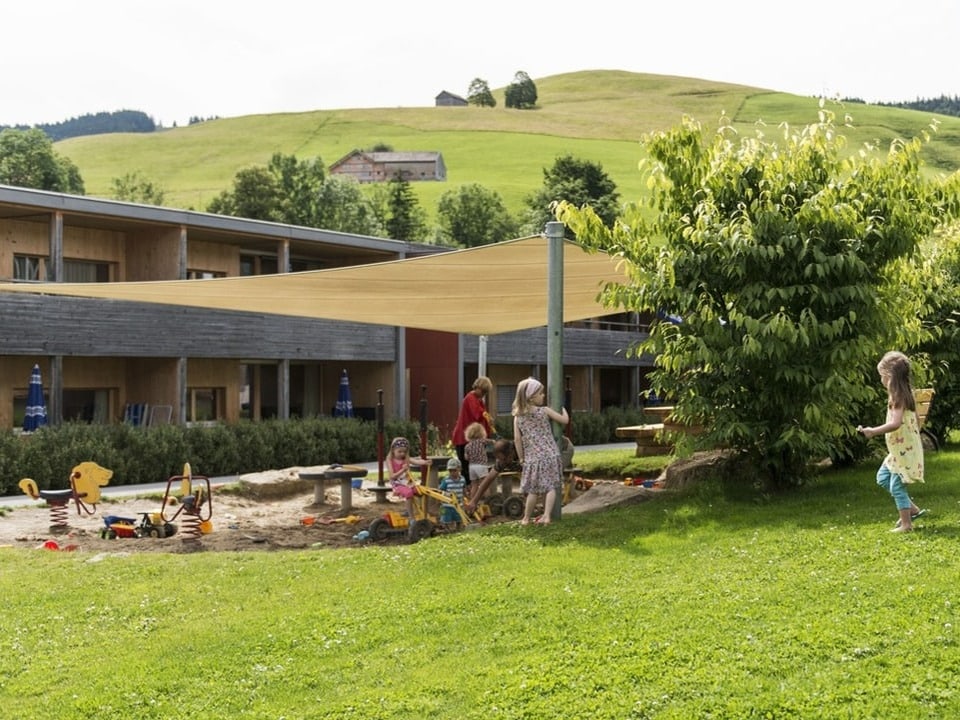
(398, 467)
(537, 449)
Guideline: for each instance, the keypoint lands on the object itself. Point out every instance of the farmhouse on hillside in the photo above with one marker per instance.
(448, 99)
(384, 166)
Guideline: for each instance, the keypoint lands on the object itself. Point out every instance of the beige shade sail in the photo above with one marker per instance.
(480, 291)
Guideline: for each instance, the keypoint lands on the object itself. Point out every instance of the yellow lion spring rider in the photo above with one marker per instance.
(86, 479)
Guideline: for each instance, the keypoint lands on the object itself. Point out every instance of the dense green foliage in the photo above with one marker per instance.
(941, 265)
(298, 192)
(711, 603)
(943, 105)
(138, 188)
(473, 215)
(27, 159)
(521, 94)
(579, 182)
(148, 455)
(790, 269)
(479, 94)
(406, 220)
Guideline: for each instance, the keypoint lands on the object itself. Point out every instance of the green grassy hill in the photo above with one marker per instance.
(594, 115)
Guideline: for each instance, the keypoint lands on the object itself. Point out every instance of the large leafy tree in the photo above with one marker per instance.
(479, 94)
(344, 207)
(579, 183)
(941, 258)
(521, 94)
(27, 159)
(791, 267)
(473, 215)
(255, 195)
(297, 192)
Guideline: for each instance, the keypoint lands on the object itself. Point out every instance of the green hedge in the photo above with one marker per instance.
(150, 455)
(589, 428)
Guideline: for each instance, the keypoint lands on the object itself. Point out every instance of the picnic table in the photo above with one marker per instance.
(344, 474)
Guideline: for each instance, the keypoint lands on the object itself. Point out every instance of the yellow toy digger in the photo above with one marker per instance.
(424, 524)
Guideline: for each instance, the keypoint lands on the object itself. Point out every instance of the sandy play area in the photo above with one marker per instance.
(267, 511)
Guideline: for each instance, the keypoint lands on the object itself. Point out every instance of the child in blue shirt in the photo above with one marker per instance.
(452, 484)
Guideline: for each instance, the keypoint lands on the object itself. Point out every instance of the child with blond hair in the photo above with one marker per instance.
(398, 467)
(475, 452)
(536, 447)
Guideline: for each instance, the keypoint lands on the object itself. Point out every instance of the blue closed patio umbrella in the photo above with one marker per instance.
(344, 406)
(36, 414)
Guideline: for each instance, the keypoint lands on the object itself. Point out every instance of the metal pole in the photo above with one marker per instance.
(380, 438)
(554, 232)
(481, 355)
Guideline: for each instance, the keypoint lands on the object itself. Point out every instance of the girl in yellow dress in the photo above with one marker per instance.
(904, 461)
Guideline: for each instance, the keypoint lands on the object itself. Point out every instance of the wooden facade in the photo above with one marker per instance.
(99, 356)
(368, 167)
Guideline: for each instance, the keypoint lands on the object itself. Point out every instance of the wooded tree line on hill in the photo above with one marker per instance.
(943, 105)
(133, 121)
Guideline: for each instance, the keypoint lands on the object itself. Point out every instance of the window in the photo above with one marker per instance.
(84, 405)
(35, 267)
(205, 404)
(80, 271)
(258, 265)
(27, 267)
(91, 406)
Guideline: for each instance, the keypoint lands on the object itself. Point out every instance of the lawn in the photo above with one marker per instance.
(720, 602)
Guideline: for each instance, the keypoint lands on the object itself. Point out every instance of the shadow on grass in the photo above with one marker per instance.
(832, 500)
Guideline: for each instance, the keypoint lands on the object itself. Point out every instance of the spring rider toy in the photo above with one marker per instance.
(86, 479)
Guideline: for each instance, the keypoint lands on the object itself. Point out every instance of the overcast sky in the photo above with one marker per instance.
(174, 59)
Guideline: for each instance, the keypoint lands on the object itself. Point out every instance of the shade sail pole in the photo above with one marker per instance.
(555, 331)
(482, 355)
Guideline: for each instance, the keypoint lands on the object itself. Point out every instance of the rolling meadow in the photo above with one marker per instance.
(599, 116)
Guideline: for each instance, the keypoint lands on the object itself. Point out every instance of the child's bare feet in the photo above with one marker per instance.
(902, 529)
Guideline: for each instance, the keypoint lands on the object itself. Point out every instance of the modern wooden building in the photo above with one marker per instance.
(101, 357)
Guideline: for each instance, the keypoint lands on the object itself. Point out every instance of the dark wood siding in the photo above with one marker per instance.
(39, 325)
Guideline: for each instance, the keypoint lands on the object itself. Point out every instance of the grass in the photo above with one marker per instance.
(715, 603)
(598, 116)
